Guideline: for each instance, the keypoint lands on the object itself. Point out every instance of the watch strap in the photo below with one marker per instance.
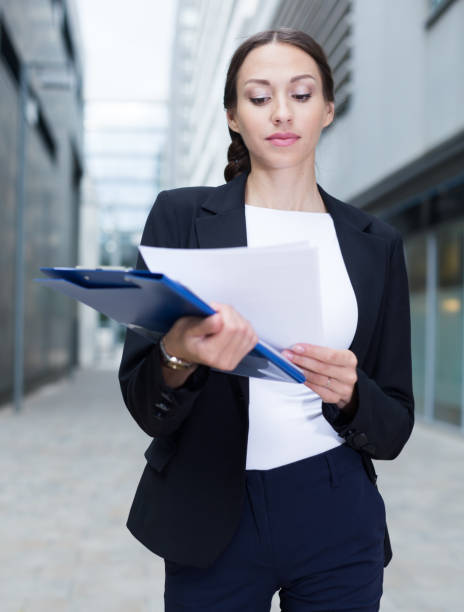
(175, 363)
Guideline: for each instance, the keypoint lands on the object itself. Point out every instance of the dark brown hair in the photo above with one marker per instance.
(237, 154)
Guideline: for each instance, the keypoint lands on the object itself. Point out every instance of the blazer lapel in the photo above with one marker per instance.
(223, 221)
(365, 256)
(222, 224)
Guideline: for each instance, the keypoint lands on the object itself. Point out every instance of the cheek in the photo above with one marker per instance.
(246, 124)
(312, 125)
(251, 130)
(316, 117)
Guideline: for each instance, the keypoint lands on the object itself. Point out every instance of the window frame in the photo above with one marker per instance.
(436, 11)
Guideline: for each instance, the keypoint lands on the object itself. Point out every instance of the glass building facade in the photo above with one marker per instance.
(432, 225)
(435, 263)
(37, 40)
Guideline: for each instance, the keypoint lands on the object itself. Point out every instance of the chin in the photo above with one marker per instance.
(276, 162)
(288, 161)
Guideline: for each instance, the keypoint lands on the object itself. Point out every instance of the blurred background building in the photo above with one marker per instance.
(123, 144)
(41, 167)
(396, 147)
(83, 120)
(125, 128)
(153, 119)
(124, 141)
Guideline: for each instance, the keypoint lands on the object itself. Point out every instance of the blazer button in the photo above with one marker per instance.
(359, 440)
(167, 397)
(348, 434)
(162, 410)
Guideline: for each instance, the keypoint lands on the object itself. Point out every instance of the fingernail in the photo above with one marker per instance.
(298, 348)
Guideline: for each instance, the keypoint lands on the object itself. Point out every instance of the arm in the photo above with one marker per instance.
(157, 407)
(381, 417)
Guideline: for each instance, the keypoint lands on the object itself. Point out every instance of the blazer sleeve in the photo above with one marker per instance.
(157, 408)
(384, 417)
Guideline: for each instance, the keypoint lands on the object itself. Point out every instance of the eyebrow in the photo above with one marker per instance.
(292, 80)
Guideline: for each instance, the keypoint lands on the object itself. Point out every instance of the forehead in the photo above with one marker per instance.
(276, 62)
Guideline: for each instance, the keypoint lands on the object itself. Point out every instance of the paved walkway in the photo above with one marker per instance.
(69, 466)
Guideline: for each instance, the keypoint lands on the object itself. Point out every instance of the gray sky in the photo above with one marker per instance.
(127, 47)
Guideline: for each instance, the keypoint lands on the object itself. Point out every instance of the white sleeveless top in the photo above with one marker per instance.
(286, 423)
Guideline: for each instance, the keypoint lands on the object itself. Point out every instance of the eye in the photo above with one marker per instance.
(258, 101)
(302, 97)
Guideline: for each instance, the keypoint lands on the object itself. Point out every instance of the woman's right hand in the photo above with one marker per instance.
(220, 340)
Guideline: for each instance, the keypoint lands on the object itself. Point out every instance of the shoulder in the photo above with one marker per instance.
(179, 203)
(375, 224)
(364, 220)
(171, 219)
(185, 197)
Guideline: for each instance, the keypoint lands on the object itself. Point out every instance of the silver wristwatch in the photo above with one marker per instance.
(175, 363)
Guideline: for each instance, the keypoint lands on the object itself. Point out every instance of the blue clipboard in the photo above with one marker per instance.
(149, 303)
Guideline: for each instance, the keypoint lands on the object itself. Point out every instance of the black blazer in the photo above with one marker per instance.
(188, 502)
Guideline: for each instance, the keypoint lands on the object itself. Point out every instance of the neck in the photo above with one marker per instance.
(284, 188)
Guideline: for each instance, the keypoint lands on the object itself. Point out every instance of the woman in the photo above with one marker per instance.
(255, 486)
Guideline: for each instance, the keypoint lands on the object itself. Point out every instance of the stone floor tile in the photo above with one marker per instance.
(71, 461)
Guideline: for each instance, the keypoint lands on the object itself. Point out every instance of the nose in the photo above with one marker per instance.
(281, 111)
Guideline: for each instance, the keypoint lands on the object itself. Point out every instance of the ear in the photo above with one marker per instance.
(330, 109)
(231, 121)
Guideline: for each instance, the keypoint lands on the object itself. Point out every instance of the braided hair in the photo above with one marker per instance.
(238, 156)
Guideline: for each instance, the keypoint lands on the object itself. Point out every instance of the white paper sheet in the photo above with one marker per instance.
(276, 288)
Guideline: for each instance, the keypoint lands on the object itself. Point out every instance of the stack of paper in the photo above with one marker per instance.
(276, 288)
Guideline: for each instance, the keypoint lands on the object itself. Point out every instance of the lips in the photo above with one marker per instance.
(283, 139)
(283, 136)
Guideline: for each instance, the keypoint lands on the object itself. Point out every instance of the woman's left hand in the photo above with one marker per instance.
(331, 373)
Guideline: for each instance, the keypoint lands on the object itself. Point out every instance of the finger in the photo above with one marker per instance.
(234, 340)
(326, 395)
(340, 357)
(238, 334)
(220, 307)
(215, 305)
(341, 390)
(228, 314)
(204, 326)
(236, 352)
(343, 374)
(326, 381)
(315, 365)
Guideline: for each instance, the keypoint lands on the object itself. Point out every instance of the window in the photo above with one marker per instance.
(416, 257)
(449, 324)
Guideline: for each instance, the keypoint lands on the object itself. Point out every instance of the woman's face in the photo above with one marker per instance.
(279, 90)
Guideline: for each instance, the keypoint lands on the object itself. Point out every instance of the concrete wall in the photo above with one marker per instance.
(408, 84)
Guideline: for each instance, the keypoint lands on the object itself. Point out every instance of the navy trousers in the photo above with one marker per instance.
(313, 530)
